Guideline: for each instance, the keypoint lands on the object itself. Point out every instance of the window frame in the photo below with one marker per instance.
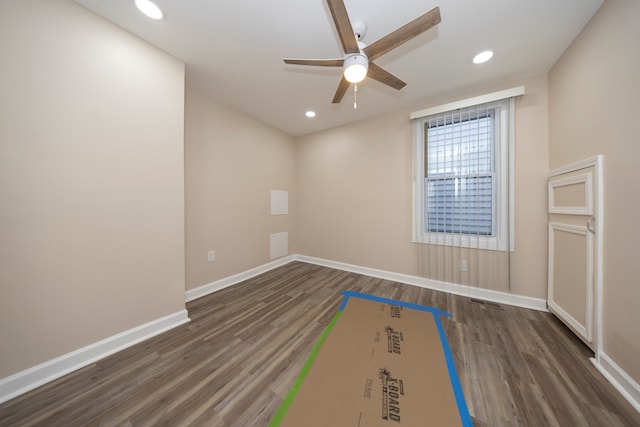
(503, 201)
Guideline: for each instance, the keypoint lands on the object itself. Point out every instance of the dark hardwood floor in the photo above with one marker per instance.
(235, 361)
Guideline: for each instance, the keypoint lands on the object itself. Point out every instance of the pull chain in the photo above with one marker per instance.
(355, 96)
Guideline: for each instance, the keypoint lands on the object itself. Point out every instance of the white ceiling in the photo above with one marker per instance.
(233, 50)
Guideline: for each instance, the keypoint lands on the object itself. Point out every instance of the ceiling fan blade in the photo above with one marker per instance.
(383, 76)
(342, 89)
(318, 62)
(343, 25)
(403, 34)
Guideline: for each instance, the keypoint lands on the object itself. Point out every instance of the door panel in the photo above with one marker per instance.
(571, 293)
(572, 193)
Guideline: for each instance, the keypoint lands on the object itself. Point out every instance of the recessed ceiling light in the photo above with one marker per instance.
(483, 57)
(150, 9)
(310, 114)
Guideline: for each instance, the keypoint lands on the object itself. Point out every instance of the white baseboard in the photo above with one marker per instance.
(463, 290)
(36, 376)
(452, 288)
(619, 379)
(212, 287)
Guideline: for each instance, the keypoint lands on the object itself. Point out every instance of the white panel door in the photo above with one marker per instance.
(572, 207)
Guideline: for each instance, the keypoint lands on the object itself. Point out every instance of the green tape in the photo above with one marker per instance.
(293, 391)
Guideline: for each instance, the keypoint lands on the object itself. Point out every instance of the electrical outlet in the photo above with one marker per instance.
(211, 256)
(462, 265)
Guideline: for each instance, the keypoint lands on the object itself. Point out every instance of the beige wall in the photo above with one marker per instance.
(355, 195)
(593, 109)
(91, 182)
(232, 163)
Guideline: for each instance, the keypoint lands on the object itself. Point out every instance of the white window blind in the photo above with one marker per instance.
(460, 171)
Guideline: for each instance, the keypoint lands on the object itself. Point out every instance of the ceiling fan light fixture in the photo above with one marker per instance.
(356, 67)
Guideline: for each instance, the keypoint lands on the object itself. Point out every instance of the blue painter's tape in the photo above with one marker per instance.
(465, 417)
(344, 301)
(419, 307)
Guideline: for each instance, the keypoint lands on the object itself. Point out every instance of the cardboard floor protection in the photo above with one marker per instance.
(379, 363)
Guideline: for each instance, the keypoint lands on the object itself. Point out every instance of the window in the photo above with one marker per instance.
(459, 173)
(462, 176)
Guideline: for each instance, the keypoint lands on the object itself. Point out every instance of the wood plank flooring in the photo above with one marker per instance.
(237, 358)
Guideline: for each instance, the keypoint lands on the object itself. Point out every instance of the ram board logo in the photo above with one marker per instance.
(395, 311)
(394, 338)
(392, 392)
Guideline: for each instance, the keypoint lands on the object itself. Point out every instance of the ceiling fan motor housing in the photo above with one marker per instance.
(359, 29)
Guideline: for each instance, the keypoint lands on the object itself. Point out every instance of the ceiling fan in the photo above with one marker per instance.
(358, 57)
